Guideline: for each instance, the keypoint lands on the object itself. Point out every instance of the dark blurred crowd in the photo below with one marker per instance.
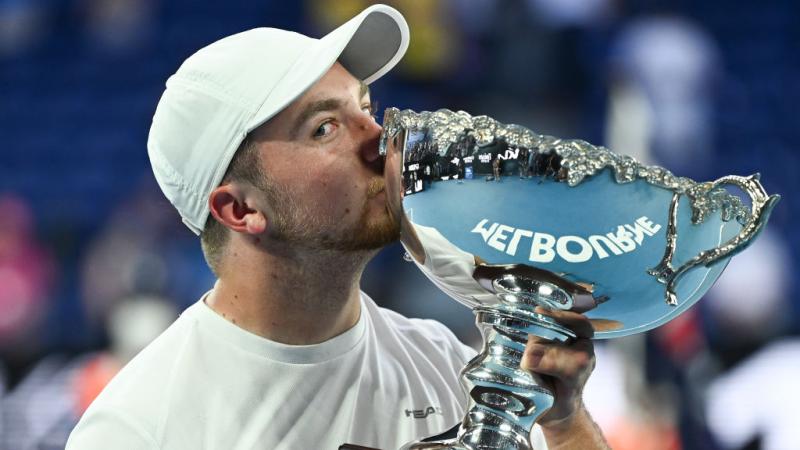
(94, 262)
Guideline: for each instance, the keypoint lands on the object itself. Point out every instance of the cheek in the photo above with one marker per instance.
(338, 195)
(334, 193)
(323, 185)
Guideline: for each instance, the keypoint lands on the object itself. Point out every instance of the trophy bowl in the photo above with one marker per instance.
(505, 220)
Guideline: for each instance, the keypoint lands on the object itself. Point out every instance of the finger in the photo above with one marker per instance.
(578, 323)
(571, 362)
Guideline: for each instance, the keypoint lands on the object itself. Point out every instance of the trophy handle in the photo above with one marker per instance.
(761, 206)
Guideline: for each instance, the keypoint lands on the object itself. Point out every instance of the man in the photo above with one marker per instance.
(285, 352)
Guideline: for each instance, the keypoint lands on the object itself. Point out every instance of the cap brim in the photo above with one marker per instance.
(368, 46)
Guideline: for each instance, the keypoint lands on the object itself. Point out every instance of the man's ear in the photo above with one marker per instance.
(233, 206)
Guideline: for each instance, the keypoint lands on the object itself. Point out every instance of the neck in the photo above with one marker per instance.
(297, 297)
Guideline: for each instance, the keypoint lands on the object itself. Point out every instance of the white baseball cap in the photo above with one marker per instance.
(229, 88)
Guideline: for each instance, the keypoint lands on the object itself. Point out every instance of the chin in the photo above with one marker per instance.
(376, 234)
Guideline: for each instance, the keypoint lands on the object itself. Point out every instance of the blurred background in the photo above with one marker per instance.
(94, 262)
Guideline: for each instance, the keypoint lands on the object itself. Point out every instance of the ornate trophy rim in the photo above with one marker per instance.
(581, 160)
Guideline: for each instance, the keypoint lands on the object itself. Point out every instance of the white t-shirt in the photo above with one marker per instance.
(205, 383)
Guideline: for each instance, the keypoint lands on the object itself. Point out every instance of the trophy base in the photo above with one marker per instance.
(505, 400)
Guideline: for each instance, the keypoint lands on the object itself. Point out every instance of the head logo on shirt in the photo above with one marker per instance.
(423, 413)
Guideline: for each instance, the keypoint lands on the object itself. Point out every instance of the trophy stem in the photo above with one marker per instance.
(504, 400)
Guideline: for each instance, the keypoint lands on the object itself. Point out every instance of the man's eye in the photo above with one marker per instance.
(370, 109)
(324, 130)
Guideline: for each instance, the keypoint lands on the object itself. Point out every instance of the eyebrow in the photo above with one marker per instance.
(312, 108)
(330, 104)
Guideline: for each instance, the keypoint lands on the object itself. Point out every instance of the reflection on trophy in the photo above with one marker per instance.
(563, 225)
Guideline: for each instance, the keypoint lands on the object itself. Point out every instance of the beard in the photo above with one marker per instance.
(300, 226)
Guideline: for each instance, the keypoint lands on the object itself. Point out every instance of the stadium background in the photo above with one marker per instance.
(94, 261)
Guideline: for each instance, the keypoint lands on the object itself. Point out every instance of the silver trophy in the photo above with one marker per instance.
(505, 220)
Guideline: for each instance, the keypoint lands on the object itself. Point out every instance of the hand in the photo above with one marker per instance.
(562, 367)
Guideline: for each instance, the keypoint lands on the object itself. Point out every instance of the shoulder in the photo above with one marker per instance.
(108, 425)
(147, 373)
(129, 407)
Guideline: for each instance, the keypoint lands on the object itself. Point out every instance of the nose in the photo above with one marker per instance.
(371, 134)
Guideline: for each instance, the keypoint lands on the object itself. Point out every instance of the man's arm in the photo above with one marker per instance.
(564, 368)
(581, 432)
